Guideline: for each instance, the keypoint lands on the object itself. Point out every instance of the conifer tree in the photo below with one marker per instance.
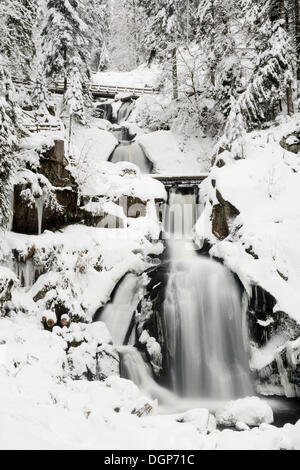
(9, 134)
(66, 46)
(96, 14)
(39, 97)
(272, 72)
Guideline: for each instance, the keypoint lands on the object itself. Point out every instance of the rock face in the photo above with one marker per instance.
(7, 282)
(104, 111)
(222, 213)
(291, 142)
(150, 319)
(26, 219)
(53, 166)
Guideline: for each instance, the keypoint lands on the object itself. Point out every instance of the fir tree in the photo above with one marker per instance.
(16, 34)
(272, 72)
(96, 14)
(39, 95)
(66, 45)
(74, 103)
(9, 136)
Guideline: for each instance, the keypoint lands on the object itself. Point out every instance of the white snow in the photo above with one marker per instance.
(250, 411)
(172, 154)
(139, 78)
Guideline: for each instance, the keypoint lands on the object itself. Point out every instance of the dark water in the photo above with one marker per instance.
(286, 410)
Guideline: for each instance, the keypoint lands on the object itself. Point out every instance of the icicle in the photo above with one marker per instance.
(39, 204)
(11, 211)
(289, 389)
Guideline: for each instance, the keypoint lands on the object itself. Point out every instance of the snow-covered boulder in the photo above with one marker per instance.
(90, 353)
(8, 281)
(203, 421)
(250, 411)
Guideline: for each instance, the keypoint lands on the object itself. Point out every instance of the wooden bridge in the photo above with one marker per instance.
(184, 181)
(109, 91)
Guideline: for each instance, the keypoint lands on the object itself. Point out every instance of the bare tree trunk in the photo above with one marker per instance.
(174, 74)
(289, 91)
(297, 36)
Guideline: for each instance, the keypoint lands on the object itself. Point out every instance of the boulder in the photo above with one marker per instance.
(222, 213)
(291, 142)
(251, 411)
(204, 422)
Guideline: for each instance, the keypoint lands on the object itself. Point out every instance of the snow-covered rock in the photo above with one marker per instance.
(204, 422)
(250, 411)
(172, 154)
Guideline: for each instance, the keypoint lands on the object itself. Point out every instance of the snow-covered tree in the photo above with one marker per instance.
(66, 42)
(17, 19)
(39, 95)
(126, 35)
(97, 14)
(272, 74)
(74, 103)
(167, 24)
(9, 135)
(65, 38)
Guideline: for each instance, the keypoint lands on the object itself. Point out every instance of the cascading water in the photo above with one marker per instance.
(205, 331)
(181, 214)
(132, 152)
(118, 313)
(125, 111)
(133, 367)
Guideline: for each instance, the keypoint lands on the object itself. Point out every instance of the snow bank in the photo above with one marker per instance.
(84, 263)
(141, 77)
(172, 154)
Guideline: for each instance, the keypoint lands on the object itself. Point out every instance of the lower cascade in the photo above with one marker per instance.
(205, 329)
(204, 323)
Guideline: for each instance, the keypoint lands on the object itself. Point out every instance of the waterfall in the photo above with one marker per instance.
(132, 152)
(118, 314)
(125, 111)
(204, 324)
(133, 367)
(205, 331)
(181, 214)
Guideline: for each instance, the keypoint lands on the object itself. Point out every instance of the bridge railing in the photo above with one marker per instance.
(110, 89)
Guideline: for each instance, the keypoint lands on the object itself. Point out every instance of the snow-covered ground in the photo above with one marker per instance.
(139, 78)
(172, 154)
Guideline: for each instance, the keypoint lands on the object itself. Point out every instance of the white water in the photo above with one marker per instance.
(204, 325)
(181, 215)
(118, 313)
(133, 367)
(133, 153)
(125, 111)
(205, 329)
